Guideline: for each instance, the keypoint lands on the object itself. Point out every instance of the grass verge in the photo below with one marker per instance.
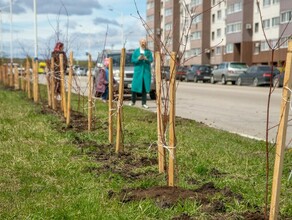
(49, 171)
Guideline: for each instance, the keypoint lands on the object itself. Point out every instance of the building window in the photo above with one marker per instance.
(275, 21)
(284, 42)
(168, 12)
(233, 8)
(256, 27)
(213, 18)
(256, 48)
(213, 35)
(150, 5)
(187, 54)
(197, 35)
(266, 2)
(264, 46)
(197, 19)
(286, 16)
(218, 51)
(276, 1)
(219, 15)
(168, 27)
(266, 24)
(229, 48)
(196, 2)
(218, 32)
(197, 51)
(233, 28)
(150, 18)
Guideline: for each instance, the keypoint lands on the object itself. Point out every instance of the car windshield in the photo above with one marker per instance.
(268, 69)
(238, 65)
(117, 57)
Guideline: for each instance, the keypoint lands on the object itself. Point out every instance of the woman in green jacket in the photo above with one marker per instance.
(142, 58)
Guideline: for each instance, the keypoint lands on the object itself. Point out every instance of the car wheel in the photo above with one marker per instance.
(255, 82)
(223, 80)
(212, 80)
(195, 79)
(239, 82)
(152, 94)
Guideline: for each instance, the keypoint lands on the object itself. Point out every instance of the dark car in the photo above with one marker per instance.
(181, 72)
(165, 74)
(257, 75)
(278, 80)
(199, 73)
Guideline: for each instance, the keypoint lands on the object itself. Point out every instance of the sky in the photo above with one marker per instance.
(82, 25)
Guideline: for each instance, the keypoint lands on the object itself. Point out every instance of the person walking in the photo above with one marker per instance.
(142, 59)
(59, 49)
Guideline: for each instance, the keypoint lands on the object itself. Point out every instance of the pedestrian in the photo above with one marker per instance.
(141, 58)
(102, 81)
(59, 49)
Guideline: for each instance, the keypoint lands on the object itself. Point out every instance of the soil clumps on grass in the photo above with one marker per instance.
(133, 166)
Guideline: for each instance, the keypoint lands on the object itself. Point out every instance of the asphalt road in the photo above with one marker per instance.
(237, 109)
(241, 110)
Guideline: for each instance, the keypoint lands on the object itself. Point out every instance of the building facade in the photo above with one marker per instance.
(213, 31)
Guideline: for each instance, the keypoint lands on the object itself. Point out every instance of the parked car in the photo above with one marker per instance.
(165, 72)
(94, 71)
(181, 72)
(278, 80)
(199, 73)
(257, 75)
(80, 71)
(129, 70)
(228, 72)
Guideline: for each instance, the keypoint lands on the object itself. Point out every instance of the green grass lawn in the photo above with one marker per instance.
(49, 171)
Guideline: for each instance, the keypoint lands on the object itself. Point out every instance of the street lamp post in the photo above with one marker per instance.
(35, 31)
(11, 35)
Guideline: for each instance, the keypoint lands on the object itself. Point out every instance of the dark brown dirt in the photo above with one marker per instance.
(78, 121)
(130, 166)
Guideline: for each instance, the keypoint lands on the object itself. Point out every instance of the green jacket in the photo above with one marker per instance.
(142, 71)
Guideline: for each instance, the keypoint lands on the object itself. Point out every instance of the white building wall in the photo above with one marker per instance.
(267, 12)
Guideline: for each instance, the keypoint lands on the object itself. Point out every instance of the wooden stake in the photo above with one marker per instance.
(89, 94)
(110, 101)
(69, 89)
(16, 78)
(22, 80)
(63, 91)
(52, 76)
(11, 75)
(161, 151)
(48, 87)
(6, 79)
(119, 142)
(172, 153)
(1, 74)
(36, 82)
(28, 79)
(281, 137)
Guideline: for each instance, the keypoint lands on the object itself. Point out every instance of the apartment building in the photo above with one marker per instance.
(212, 31)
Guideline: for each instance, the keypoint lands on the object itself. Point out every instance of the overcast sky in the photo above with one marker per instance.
(83, 25)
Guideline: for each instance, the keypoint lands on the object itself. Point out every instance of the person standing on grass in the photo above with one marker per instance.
(102, 81)
(59, 49)
(142, 59)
